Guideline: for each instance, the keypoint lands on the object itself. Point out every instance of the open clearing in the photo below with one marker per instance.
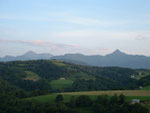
(61, 83)
(146, 88)
(58, 63)
(130, 94)
(110, 93)
(31, 76)
(143, 95)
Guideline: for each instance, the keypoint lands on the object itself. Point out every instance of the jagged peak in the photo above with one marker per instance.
(117, 52)
(30, 52)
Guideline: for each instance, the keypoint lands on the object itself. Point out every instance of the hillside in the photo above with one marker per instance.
(55, 76)
(26, 85)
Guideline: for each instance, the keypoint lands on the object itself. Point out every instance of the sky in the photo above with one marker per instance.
(74, 26)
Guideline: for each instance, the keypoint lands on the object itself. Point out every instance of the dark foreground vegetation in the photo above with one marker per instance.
(116, 104)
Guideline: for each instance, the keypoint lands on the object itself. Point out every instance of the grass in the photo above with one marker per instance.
(31, 76)
(58, 63)
(110, 93)
(81, 75)
(61, 83)
(146, 88)
(50, 98)
(143, 95)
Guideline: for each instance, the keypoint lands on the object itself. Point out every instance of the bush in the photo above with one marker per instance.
(83, 101)
(59, 98)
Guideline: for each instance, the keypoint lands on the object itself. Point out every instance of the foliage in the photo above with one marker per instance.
(145, 81)
(59, 98)
(16, 84)
(83, 101)
(61, 84)
(38, 74)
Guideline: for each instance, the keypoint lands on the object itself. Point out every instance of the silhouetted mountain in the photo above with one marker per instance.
(117, 58)
(27, 56)
(7, 58)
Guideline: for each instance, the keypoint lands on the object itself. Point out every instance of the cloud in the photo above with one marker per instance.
(145, 36)
(97, 34)
(57, 48)
(37, 43)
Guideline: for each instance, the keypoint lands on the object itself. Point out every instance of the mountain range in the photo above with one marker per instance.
(27, 56)
(117, 58)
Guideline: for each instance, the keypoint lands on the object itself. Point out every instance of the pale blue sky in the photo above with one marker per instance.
(74, 26)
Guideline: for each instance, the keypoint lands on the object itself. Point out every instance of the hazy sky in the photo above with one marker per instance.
(74, 26)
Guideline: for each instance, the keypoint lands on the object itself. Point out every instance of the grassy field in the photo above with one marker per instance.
(143, 95)
(58, 63)
(31, 76)
(61, 83)
(50, 98)
(110, 93)
(146, 88)
(81, 75)
(138, 94)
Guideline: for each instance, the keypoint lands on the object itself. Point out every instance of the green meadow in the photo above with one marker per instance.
(146, 88)
(143, 95)
(61, 83)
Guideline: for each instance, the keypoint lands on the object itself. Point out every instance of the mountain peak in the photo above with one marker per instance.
(117, 52)
(30, 52)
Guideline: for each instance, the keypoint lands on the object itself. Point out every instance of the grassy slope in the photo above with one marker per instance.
(61, 83)
(138, 94)
(81, 75)
(58, 63)
(50, 98)
(31, 76)
(146, 88)
(118, 92)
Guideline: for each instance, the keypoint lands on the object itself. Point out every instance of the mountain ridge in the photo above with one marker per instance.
(30, 55)
(116, 58)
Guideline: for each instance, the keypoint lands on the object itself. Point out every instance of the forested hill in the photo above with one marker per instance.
(55, 76)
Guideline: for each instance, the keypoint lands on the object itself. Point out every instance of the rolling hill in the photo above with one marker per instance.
(53, 74)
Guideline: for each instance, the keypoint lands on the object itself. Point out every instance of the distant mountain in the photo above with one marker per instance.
(117, 58)
(27, 56)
